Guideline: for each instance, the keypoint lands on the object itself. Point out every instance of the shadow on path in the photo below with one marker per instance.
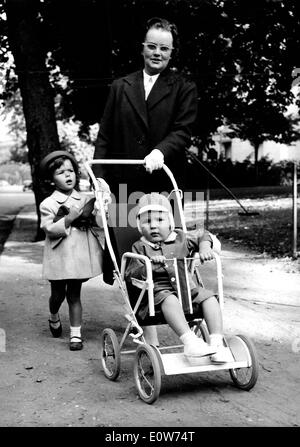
(6, 225)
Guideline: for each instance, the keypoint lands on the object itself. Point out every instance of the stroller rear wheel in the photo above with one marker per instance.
(200, 329)
(146, 372)
(110, 354)
(245, 378)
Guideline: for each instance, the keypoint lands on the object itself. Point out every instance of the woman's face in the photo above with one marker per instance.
(157, 50)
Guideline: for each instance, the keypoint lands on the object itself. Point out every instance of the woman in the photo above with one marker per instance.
(149, 115)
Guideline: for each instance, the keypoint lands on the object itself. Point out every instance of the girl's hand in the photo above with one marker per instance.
(106, 194)
(75, 211)
(103, 185)
(159, 259)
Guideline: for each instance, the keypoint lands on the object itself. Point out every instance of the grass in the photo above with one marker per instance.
(270, 232)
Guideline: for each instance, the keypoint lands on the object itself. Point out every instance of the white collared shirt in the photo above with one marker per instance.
(149, 81)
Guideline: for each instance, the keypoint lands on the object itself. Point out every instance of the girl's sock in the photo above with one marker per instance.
(75, 331)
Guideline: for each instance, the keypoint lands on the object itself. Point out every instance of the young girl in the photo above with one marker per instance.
(72, 252)
(161, 242)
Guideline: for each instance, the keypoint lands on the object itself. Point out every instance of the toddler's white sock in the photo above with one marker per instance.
(188, 337)
(216, 339)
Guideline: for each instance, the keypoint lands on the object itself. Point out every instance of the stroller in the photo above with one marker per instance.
(151, 362)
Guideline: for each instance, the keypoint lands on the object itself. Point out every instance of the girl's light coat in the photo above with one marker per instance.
(69, 253)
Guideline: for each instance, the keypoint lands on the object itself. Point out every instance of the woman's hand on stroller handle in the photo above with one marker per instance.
(154, 160)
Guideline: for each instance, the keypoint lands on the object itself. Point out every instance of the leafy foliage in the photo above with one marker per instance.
(241, 54)
(15, 173)
(241, 174)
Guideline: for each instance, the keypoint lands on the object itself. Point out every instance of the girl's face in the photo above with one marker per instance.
(155, 226)
(64, 177)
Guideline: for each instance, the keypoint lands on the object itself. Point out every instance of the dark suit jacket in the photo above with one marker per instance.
(132, 127)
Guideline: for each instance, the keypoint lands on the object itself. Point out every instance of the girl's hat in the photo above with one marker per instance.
(154, 202)
(52, 156)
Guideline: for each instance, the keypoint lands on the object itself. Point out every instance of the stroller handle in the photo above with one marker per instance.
(116, 161)
(106, 161)
(121, 161)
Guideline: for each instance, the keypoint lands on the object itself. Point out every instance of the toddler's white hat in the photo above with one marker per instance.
(154, 202)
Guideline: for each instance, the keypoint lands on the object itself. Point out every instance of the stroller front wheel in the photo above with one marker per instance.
(146, 372)
(110, 354)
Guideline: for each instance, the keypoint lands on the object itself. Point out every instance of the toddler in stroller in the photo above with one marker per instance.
(163, 263)
(162, 243)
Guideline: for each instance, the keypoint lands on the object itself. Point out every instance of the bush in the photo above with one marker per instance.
(15, 173)
(240, 174)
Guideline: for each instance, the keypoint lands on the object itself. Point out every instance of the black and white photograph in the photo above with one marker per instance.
(149, 217)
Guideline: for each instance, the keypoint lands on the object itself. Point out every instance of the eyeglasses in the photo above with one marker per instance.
(153, 47)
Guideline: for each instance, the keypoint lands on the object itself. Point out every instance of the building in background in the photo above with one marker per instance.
(239, 150)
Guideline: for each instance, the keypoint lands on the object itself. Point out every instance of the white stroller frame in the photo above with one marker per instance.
(243, 366)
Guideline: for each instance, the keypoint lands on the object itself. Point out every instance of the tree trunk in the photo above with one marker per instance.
(26, 44)
(256, 173)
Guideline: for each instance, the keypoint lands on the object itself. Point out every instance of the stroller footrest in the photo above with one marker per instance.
(177, 363)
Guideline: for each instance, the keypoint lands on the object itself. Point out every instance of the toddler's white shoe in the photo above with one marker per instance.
(223, 355)
(198, 348)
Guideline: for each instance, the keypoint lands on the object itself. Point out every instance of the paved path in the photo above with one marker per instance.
(44, 384)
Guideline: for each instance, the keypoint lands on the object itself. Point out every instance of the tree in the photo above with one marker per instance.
(79, 43)
(29, 25)
(264, 44)
(14, 112)
(26, 43)
(241, 54)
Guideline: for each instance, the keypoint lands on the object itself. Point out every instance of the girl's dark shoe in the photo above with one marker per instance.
(76, 344)
(56, 332)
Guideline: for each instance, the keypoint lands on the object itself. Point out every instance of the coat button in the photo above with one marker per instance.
(173, 279)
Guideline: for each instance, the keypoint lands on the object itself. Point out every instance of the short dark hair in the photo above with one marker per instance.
(58, 162)
(158, 23)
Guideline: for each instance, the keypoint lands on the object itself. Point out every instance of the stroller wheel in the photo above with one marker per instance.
(110, 354)
(245, 378)
(147, 373)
